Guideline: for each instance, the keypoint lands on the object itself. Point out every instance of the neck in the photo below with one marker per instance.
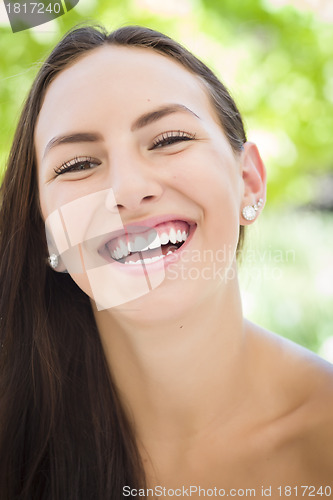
(181, 375)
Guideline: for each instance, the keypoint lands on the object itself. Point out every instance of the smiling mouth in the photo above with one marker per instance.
(149, 245)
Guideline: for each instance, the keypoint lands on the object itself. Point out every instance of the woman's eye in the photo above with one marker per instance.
(77, 165)
(171, 137)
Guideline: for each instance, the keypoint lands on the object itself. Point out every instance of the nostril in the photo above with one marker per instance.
(131, 203)
(110, 200)
(145, 198)
(131, 195)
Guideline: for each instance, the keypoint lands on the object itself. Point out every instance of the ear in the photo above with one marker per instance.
(254, 179)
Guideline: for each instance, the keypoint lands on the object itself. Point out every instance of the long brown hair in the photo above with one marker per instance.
(63, 431)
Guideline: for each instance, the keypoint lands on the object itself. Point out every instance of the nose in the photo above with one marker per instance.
(134, 185)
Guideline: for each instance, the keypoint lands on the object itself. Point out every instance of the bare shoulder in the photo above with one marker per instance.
(303, 384)
(302, 368)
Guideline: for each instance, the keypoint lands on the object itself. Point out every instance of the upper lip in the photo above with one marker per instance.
(143, 225)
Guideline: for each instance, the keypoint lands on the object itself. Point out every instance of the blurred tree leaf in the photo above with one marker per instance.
(277, 62)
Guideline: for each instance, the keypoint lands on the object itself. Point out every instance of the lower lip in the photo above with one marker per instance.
(164, 262)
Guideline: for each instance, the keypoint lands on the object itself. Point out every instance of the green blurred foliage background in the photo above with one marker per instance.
(277, 60)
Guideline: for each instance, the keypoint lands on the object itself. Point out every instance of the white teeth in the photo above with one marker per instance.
(164, 238)
(123, 248)
(158, 257)
(145, 261)
(130, 246)
(154, 244)
(140, 243)
(117, 253)
(172, 235)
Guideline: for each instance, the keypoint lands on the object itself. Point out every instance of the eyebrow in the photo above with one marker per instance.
(142, 121)
(72, 138)
(153, 116)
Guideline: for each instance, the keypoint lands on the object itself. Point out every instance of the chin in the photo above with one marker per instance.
(170, 302)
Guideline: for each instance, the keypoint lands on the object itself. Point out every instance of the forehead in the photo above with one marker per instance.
(114, 82)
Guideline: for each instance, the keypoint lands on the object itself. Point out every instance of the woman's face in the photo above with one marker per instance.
(130, 154)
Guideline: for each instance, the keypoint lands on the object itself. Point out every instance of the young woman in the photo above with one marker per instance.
(126, 363)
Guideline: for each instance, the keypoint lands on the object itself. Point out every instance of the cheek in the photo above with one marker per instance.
(213, 184)
(208, 180)
(56, 195)
(80, 213)
(42, 202)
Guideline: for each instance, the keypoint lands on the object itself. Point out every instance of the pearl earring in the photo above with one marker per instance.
(53, 260)
(250, 211)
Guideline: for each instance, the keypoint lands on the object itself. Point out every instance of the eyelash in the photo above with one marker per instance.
(166, 139)
(171, 137)
(72, 165)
